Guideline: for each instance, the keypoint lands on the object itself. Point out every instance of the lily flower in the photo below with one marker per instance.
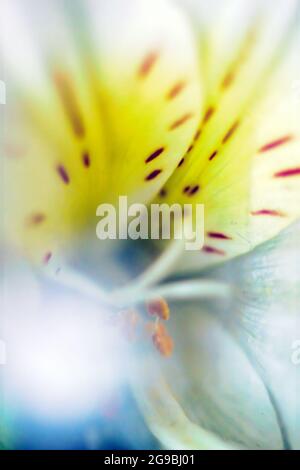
(176, 102)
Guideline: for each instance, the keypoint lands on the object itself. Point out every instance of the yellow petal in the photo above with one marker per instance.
(244, 163)
(102, 110)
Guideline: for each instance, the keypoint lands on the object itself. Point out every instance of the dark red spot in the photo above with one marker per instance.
(230, 132)
(270, 212)
(276, 143)
(86, 160)
(191, 190)
(208, 114)
(153, 175)
(194, 190)
(163, 192)
(181, 162)
(212, 250)
(181, 121)
(63, 174)
(47, 257)
(70, 104)
(155, 154)
(176, 90)
(287, 173)
(218, 235)
(190, 148)
(213, 155)
(148, 64)
(36, 219)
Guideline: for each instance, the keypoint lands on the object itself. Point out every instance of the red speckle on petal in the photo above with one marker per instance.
(228, 80)
(176, 90)
(275, 143)
(212, 250)
(181, 162)
(287, 173)
(155, 154)
(271, 212)
(191, 190)
(219, 236)
(213, 155)
(208, 114)
(86, 160)
(36, 219)
(63, 174)
(147, 64)
(179, 122)
(230, 132)
(194, 190)
(153, 175)
(47, 257)
(197, 135)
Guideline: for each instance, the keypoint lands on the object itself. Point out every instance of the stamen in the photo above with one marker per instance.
(163, 341)
(135, 291)
(159, 308)
(181, 290)
(74, 280)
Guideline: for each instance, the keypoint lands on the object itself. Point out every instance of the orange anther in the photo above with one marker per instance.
(159, 308)
(163, 341)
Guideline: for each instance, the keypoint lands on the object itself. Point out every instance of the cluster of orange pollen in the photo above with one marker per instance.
(158, 310)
